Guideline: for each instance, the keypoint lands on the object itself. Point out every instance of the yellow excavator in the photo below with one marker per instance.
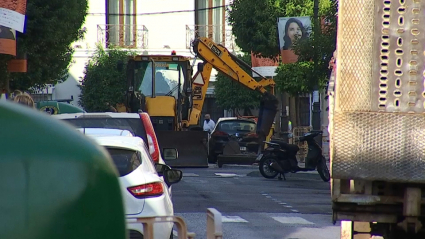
(162, 86)
(230, 65)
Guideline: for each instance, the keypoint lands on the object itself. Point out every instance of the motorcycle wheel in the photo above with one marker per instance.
(323, 170)
(265, 169)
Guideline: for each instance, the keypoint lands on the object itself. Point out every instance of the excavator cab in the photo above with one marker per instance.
(161, 85)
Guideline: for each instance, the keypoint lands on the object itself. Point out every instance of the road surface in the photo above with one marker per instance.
(254, 207)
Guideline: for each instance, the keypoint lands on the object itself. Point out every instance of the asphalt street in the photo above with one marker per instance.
(254, 207)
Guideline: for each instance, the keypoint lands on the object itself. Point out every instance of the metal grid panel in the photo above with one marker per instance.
(355, 44)
(379, 146)
(378, 128)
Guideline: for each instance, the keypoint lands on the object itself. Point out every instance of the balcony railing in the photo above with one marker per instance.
(218, 33)
(128, 36)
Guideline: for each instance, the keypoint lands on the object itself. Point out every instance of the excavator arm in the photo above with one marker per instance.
(218, 57)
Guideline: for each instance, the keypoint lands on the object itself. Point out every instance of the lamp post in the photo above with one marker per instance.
(316, 96)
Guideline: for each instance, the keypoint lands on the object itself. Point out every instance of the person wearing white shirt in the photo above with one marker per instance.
(209, 124)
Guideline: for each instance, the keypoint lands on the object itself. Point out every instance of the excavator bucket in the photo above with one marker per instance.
(191, 147)
(266, 115)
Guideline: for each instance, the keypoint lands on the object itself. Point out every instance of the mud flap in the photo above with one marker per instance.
(191, 146)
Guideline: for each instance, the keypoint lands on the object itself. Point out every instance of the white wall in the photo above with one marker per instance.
(70, 87)
(83, 50)
(166, 29)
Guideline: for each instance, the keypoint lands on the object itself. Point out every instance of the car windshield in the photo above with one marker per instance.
(235, 126)
(169, 78)
(126, 161)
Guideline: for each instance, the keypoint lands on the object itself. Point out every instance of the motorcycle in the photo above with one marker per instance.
(280, 158)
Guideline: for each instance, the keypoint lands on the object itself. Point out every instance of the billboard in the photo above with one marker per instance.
(12, 14)
(7, 41)
(289, 30)
(264, 66)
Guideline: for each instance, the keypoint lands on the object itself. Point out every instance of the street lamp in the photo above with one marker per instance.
(316, 99)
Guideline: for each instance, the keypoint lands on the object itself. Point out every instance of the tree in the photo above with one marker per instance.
(300, 77)
(254, 22)
(51, 27)
(233, 96)
(104, 84)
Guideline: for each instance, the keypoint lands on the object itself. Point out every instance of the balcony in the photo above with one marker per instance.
(218, 33)
(126, 36)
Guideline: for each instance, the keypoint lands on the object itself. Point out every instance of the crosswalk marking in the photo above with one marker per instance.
(232, 219)
(292, 220)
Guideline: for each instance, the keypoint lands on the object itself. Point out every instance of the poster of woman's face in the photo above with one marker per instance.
(292, 29)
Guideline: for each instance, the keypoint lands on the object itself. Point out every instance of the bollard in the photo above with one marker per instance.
(214, 224)
(148, 231)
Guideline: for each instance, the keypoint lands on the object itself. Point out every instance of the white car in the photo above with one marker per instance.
(144, 192)
(138, 123)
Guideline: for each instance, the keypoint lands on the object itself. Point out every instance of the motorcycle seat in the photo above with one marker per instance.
(289, 147)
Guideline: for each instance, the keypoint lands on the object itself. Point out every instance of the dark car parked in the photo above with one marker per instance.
(240, 129)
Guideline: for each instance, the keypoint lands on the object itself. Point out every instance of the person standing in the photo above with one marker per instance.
(209, 124)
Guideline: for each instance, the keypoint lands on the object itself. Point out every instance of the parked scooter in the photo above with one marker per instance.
(280, 158)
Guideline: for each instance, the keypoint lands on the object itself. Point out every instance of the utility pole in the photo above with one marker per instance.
(284, 118)
(316, 96)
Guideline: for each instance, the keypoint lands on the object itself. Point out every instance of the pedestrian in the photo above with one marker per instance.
(24, 99)
(209, 124)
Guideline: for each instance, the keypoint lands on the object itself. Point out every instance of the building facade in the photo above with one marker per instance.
(147, 27)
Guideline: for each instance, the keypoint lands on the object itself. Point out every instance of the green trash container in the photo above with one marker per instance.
(55, 183)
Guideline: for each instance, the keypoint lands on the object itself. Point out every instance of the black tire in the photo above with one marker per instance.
(264, 165)
(323, 170)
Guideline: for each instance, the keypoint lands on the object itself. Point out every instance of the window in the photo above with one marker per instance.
(210, 19)
(126, 161)
(121, 23)
(235, 126)
(169, 78)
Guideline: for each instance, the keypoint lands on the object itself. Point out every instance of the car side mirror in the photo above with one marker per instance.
(170, 153)
(172, 176)
(161, 168)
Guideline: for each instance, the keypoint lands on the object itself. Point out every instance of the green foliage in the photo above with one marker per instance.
(234, 96)
(103, 82)
(254, 23)
(51, 27)
(297, 78)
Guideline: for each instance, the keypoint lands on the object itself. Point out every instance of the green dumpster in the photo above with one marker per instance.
(55, 183)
